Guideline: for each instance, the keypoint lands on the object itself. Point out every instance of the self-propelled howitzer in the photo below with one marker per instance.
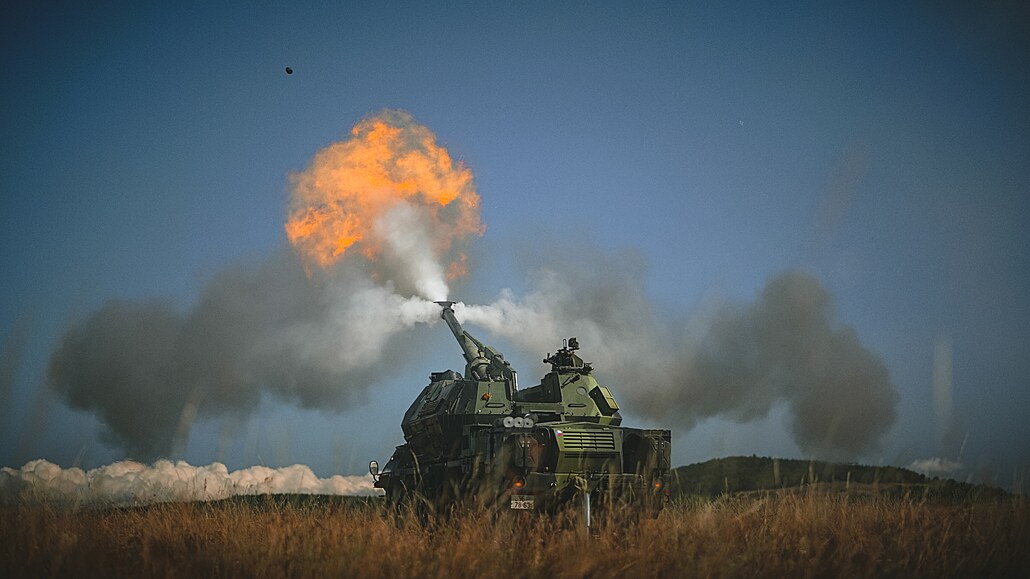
(477, 438)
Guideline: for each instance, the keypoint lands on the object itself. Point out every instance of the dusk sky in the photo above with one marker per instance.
(882, 151)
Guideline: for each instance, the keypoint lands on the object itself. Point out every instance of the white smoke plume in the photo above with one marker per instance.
(379, 224)
(129, 483)
(936, 466)
(147, 369)
(409, 250)
(734, 360)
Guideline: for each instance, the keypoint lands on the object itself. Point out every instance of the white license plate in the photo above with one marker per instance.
(522, 503)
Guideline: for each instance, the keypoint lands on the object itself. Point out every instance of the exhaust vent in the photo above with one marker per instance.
(588, 440)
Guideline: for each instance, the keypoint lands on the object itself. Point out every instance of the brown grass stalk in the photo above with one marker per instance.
(791, 535)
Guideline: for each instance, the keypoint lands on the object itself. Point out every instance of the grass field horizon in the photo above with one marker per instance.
(821, 529)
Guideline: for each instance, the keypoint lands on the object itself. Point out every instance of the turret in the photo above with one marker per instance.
(482, 362)
(565, 360)
(474, 439)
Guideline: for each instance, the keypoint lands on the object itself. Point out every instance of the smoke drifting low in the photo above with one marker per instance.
(147, 370)
(379, 224)
(131, 483)
(375, 221)
(733, 360)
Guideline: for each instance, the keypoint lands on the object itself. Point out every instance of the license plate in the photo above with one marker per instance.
(522, 503)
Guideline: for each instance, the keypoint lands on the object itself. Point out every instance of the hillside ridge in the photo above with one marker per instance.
(741, 474)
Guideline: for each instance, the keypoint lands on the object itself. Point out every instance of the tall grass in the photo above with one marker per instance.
(796, 535)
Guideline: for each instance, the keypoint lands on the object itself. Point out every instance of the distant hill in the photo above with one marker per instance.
(741, 474)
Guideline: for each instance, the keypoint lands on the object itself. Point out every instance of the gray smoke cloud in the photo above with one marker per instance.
(147, 370)
(732, 360)
(383, 220)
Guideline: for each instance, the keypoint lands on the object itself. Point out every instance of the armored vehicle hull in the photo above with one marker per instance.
(475, 438)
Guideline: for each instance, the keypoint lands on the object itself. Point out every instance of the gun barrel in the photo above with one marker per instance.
(470, 347)
(452, 322)
(483, 362)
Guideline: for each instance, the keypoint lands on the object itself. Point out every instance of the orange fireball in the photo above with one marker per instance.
(339, 203)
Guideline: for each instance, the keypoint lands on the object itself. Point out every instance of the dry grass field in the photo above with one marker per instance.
(788, 535)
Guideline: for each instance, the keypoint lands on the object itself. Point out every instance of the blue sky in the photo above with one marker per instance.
(884, 149)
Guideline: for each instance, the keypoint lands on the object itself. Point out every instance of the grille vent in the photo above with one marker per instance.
(589, 440)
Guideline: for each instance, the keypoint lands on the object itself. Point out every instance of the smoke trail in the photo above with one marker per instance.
(384, 215)
(950, 431)
(937, 467)
(379, 223)
(393, 195)
(735, 361)
(145, 369)
(271, 329)
(132, 483)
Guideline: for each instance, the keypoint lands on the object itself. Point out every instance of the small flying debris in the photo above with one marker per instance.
(289, 70)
